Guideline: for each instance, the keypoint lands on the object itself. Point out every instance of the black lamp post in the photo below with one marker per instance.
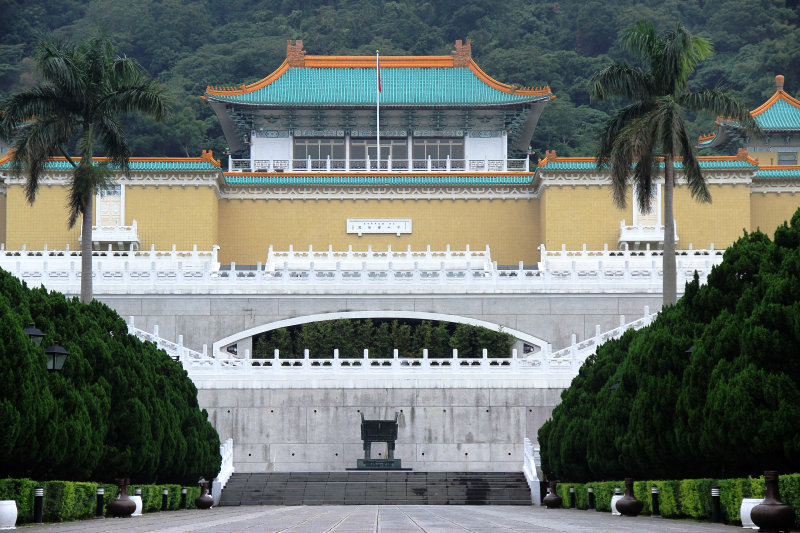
(34, 334)
(56, 355)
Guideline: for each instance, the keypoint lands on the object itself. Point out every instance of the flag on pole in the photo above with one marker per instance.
(378, 68)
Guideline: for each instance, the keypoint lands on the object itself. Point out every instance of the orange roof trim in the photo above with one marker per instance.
(742, 155)
(779, 95)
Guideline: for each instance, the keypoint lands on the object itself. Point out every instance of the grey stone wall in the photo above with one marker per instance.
(551, 317)
(448, 429)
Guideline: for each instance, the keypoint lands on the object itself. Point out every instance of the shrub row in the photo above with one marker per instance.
(687, 498)
(381, 337)
(70, 500)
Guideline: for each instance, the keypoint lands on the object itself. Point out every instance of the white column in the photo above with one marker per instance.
(347, 151)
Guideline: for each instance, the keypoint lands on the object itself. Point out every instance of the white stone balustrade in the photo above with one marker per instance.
(640, 261)
(564, 362)
(122, 235)
(352, 272)
(378, 260)
(362, 165)
(531, 463)
(226, 470)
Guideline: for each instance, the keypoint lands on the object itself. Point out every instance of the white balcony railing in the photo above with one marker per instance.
(642, 236)
(373, 165)
(122, 236)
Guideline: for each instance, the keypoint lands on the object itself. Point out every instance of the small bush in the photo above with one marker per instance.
(21, 490)
(695, 498)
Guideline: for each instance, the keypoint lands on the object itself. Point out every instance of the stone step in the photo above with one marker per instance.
(376, 488)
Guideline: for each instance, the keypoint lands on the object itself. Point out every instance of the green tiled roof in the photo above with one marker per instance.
(357, 86)
(774, 173)
(389, 179)
(165, 164)
(591, 165)
(779, 116)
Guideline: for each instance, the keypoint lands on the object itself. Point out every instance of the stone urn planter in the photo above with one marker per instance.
(204, 501)
(122, 506)
(552, 500)
(8, 514)
(628, 505)
(772, 514)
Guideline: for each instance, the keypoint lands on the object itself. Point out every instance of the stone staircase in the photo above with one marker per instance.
(377, 488)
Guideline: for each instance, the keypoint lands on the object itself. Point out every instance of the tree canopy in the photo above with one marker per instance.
(710, 389)
(188, 44)
(119, 407)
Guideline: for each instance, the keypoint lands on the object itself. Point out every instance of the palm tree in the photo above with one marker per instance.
(86, 89)
(650, 130)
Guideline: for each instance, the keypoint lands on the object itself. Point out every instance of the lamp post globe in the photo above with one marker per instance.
(56, 355)
(34, 334)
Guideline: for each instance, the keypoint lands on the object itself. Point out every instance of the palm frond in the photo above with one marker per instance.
(642, 42)
(681, 54)
(86, 179)
(721, 104)
(113, 139)
(41, 100)
(142, 95)
(35, 143)
(615, 125)
(622, 80)
(691, 167)
(59, 64)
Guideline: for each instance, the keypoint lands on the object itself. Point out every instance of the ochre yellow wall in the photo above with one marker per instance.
(765, 158)
(183, 216)
(770, 210)
(720, 222)
(248, 227)
(581, 215)
(44, 222)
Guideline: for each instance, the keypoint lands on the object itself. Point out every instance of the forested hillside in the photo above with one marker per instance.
(188, 44)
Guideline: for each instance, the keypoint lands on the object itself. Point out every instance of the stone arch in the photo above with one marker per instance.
(539, 344)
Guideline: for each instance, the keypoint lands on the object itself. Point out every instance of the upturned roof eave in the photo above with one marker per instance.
(279, 105)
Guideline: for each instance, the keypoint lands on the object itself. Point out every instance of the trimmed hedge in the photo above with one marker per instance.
(70, 500)
(687, 498)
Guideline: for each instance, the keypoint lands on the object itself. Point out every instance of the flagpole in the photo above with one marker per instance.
(378, 106)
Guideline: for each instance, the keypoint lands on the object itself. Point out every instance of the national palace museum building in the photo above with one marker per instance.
(454, 169)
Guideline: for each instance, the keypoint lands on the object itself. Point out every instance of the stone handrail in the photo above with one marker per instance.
(370, 259)
(61, 258)
(132, 278)
(583, 349)
(225, 471)
(531, 462)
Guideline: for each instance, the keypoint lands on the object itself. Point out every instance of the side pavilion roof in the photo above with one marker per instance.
(780, 113)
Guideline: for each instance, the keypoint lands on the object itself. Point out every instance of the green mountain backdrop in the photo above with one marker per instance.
(188, 44)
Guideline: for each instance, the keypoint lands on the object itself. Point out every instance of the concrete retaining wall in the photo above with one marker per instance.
(551, 317)
(440, 429)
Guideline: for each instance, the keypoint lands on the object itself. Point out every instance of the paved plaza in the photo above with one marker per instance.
(383, 518)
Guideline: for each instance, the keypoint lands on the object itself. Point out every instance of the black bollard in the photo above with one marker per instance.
(572, 497)
(100, 504)
(590, 490)
(38, 505)
(654, 497)
(183, 499)
(715, 507)
(164, 499)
